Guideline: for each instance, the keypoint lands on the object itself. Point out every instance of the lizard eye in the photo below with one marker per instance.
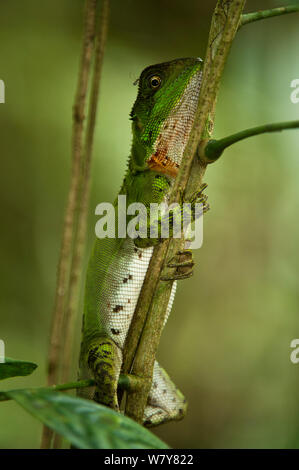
(155, 81)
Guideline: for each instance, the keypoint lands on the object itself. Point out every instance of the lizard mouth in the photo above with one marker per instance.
(175, 131)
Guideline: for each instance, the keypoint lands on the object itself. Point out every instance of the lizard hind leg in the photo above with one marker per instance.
(104, 361)
(165, 401)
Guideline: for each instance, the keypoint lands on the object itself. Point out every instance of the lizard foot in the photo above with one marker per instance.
(182, 263)
(200, 198)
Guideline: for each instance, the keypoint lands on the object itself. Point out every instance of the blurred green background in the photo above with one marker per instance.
(227, 343)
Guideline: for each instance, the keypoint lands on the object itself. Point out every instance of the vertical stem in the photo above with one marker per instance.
(70, 213)
(79, 241)
(224, 25)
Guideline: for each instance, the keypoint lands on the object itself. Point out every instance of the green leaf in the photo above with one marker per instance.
(14, 368)
(84, 423)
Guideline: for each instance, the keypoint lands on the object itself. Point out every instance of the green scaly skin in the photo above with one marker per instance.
(162, 117)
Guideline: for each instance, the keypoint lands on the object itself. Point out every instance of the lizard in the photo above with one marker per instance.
(162, 119)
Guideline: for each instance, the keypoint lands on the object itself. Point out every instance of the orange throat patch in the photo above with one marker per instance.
(160, 162)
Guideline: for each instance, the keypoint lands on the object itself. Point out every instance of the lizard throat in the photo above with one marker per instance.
(171, 142)
(160, 162)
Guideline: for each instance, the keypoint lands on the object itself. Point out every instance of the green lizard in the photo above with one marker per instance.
(162, 118)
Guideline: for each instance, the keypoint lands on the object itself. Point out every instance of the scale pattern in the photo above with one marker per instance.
(122, 288)
(176, 129)
(170, 145)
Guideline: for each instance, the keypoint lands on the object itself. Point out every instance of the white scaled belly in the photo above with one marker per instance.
(122, 288)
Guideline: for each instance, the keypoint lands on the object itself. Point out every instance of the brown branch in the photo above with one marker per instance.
(146, 327)
(70, 213)
(71, 309)
(79, 241)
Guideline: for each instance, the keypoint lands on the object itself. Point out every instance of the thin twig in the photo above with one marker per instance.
(72, 303)
(211, 150)
(69, 221)
(264, 14)
(55, 388)
(125, 382)
(79, 241)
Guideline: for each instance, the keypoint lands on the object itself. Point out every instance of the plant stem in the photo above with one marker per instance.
(211, 150)
(80, 235)
(125, 382)
(264, 14)
(150, 312)
(57, 388)
(72, 303)
(70, 213)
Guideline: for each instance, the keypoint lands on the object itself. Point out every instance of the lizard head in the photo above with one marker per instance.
(164, 112)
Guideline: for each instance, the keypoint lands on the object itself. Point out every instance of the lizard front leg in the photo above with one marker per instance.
(175, 219)
(182, 263)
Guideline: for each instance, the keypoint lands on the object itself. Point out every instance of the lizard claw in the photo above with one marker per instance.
(182, 263)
